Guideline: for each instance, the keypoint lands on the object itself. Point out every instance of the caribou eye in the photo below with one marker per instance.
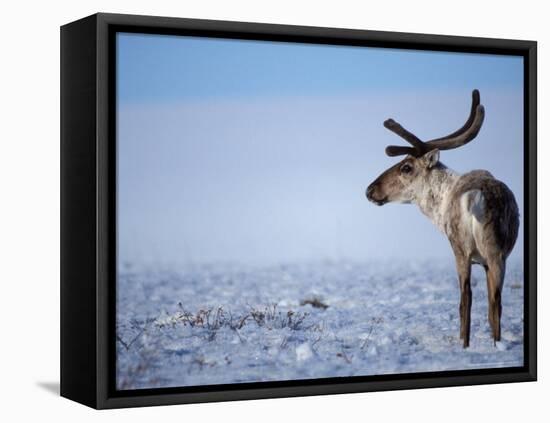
(406, 168)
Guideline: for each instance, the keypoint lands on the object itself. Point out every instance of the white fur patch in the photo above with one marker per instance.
(477, 204)
(473, 214)
(473, 205)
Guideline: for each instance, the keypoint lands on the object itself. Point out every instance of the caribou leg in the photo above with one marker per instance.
(495, 278)
(463, 267)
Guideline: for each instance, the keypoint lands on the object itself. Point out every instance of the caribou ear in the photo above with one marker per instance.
(431, 158)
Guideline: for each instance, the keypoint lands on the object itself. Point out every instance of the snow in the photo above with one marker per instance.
(303, 352)
(228, 323)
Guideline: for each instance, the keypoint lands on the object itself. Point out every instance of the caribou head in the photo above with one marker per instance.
(402, 182)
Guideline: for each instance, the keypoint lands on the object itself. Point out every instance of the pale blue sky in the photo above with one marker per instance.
(261, 152)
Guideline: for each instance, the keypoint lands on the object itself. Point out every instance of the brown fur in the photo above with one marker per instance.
(501, 217)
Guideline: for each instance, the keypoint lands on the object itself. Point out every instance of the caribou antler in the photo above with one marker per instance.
(458, 138)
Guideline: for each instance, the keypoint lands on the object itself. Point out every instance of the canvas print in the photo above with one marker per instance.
(291, 211)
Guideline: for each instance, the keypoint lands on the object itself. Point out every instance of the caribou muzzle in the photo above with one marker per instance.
(374, 196)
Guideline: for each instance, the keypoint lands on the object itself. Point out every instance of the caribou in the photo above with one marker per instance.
(478, 213)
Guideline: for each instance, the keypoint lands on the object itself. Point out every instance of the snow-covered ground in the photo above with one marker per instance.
(227, 323)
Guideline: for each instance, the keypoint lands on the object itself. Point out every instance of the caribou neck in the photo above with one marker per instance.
(433, 196)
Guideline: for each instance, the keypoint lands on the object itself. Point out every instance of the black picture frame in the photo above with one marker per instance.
(88, 215)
